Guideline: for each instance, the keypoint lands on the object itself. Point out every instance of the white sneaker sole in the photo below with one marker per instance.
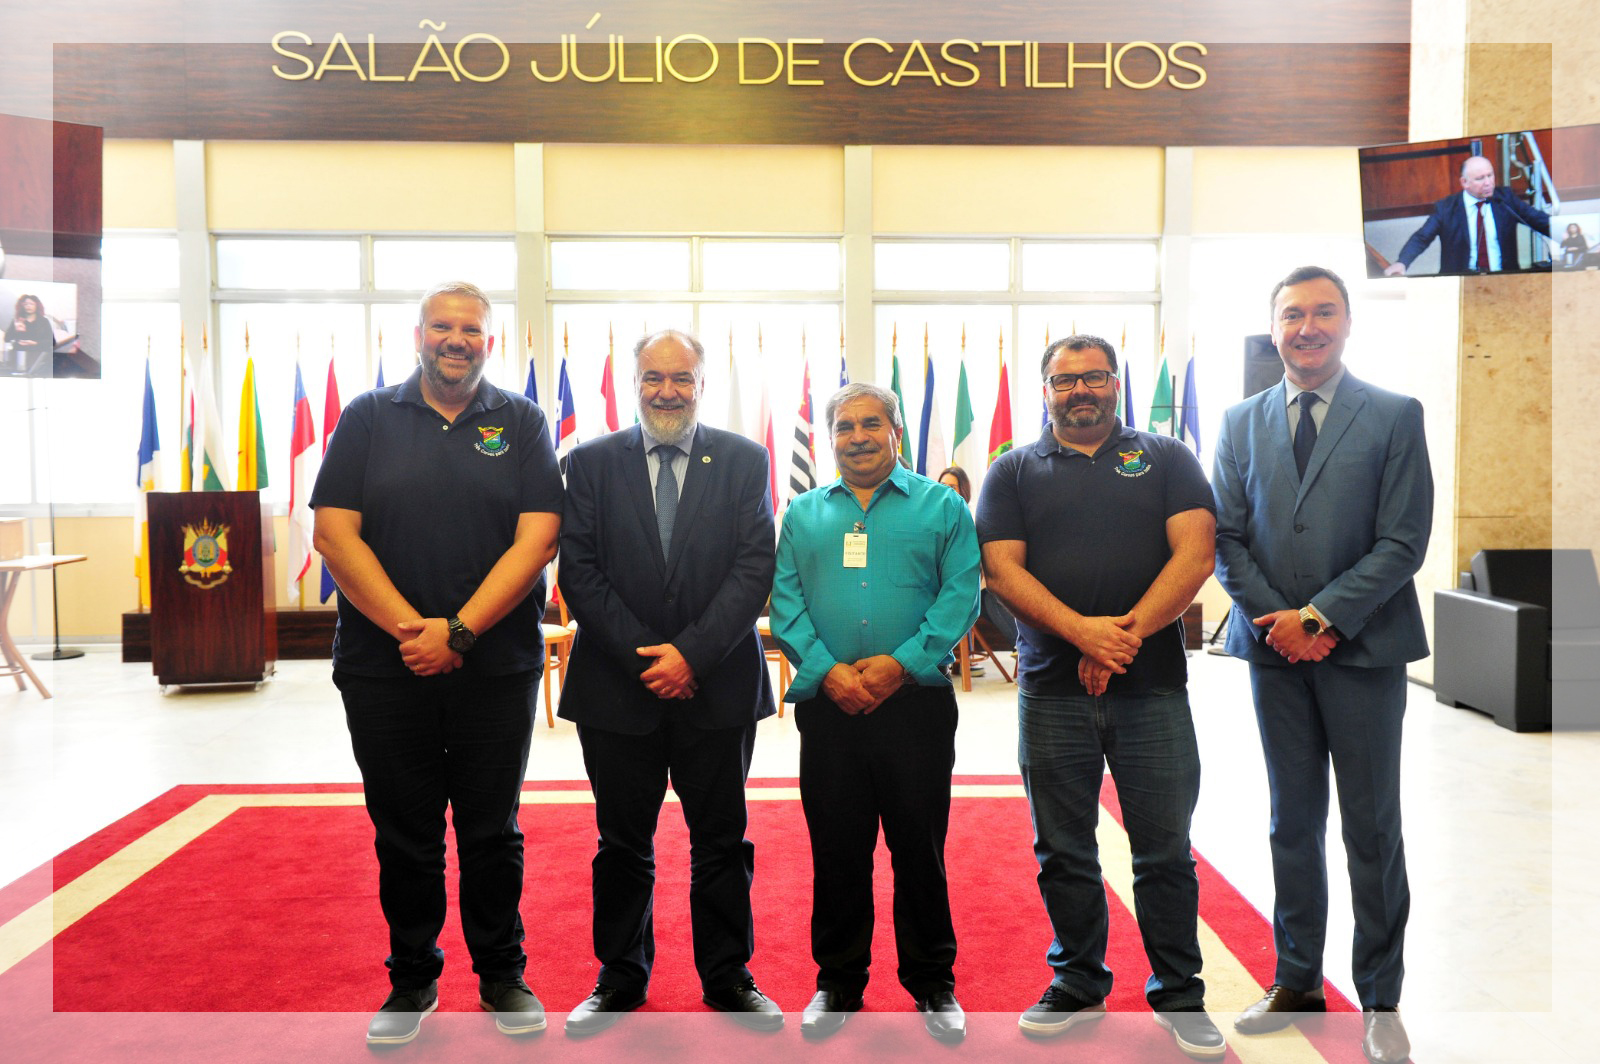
(513, 1027)
(1084, 1015)
(402, 1039)
(1189, 1048)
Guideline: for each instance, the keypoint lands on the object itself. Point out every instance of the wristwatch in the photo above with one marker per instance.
(1310, 622)
(461, 637)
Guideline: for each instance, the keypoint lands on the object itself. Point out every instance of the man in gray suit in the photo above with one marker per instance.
(1324, 505)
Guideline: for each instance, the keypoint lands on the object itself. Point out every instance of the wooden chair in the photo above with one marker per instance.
(966, 656)
(557, 645)
(764, 626)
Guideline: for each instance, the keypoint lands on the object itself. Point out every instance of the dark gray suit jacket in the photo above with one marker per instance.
(704, 599)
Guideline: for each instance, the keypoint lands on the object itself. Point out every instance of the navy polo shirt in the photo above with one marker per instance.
(439, 505)
(1096, 530)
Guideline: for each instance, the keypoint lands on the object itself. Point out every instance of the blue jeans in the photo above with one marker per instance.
(1064, 744)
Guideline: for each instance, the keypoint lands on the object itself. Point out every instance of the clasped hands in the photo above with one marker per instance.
(670, 675)
(1108, 646)
(1289, 637)
(865, 685)
(427, 652)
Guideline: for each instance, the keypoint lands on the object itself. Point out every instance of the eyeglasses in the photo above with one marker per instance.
(1095, 378)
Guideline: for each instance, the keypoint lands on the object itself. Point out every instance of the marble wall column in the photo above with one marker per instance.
(1503, 444)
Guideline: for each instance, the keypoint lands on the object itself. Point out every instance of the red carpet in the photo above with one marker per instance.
(274, 910)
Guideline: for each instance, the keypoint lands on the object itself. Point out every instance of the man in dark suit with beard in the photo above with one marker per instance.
(666, 563)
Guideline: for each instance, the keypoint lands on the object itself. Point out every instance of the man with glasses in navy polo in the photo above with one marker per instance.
(1098, 537)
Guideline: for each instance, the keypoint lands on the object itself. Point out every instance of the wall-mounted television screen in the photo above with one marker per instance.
(1524, 200)
(50, 231)
(44, 327)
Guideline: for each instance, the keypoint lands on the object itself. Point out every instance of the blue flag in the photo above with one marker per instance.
(531, 389)
(932, 456)
(1189, 422)
(380, 374)
(149, 479)
(149, 440)
(1127, 394)
(565, 425)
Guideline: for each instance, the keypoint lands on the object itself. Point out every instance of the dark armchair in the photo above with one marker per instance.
(1521, 633)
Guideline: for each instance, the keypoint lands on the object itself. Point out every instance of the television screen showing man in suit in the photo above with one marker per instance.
(1506, 201)
(1476, 228)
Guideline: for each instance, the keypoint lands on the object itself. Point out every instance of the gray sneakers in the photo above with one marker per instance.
(516, 1010)
(1057, 1011)
(400, 1017)
(1194, 1032)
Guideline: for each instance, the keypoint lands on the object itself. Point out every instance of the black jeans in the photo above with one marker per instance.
(890, 766)
(424, 743)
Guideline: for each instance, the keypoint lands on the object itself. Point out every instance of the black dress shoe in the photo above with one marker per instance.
(747, 1005)
(1385, 1041)
(942, 1016)
(602, 1008)
(1277, 1008)
(827, 1012)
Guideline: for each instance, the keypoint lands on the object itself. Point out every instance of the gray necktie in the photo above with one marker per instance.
(1305, 433)
(666, 494)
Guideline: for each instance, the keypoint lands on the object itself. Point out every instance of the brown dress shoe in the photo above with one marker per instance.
(1385, 1041)
(1276, 1009)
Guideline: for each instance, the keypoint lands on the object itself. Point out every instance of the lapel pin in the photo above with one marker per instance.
(706, 459)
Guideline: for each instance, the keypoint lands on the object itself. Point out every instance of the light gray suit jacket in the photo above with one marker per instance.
(1347, 539)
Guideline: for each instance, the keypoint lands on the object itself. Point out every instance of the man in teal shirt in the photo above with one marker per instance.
(877, 579)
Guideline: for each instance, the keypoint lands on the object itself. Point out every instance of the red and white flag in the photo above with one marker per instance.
(303, 462)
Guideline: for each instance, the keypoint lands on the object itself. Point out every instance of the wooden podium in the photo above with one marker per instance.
(213, 612)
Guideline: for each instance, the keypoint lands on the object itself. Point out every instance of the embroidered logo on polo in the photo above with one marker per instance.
(1132, 464)
(494, 443)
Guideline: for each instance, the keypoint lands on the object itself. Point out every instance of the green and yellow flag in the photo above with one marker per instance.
(252, 440)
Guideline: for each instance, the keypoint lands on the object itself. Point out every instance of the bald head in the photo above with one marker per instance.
(1477, 177)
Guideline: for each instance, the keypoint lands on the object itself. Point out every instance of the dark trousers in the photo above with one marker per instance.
(1311, 714)
(629, 774)
(425, 743)
(891, 767)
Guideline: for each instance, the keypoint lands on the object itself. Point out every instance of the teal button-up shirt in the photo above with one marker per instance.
(917, 595)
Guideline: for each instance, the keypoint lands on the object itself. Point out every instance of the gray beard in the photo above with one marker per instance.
(672, 427)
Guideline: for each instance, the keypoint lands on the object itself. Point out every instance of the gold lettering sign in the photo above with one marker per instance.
(870, 62)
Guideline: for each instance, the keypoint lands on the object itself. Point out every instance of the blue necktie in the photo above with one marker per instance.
(1305, 433)
(666, 494)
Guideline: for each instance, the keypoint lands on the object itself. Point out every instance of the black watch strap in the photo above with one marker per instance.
(461, 637)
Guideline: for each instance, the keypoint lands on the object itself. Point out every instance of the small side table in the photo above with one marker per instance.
(16, 664)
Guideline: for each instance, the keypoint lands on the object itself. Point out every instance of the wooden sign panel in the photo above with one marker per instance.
(684, 90)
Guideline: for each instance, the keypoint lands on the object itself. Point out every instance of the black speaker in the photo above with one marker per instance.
(1262, 366)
